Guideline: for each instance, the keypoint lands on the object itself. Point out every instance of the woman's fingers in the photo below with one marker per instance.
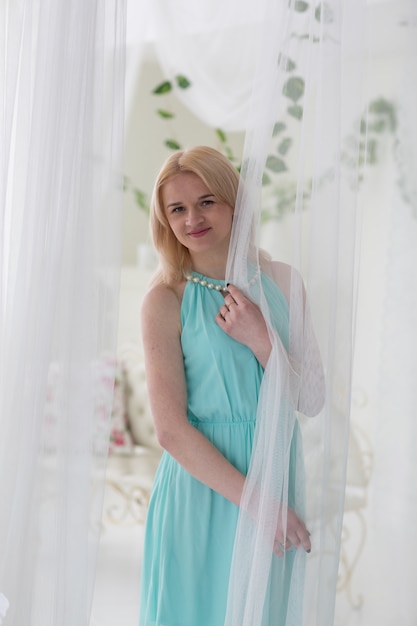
(278, 548)
(234, 294)
(299, 536)
(223, 311)
(231, 300)
(296, 535)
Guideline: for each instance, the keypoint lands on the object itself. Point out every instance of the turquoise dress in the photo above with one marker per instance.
(190, 528)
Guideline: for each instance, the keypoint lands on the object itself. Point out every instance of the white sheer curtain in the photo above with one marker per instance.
(61, 137)
(218, 53)
(323, 93)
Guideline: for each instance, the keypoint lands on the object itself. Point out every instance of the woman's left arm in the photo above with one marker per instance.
(312, 393)
(304, 352)
(242, 319)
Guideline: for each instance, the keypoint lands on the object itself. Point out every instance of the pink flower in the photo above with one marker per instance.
(118, 437)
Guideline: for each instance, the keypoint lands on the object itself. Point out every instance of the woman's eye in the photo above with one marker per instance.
(207, 202)
(177, 209)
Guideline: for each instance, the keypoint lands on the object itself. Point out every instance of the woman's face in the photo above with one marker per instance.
(199, 220)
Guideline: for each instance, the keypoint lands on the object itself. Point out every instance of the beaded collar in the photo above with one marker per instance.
(205, 282)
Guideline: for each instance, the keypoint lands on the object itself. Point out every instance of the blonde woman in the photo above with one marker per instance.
(206, 346)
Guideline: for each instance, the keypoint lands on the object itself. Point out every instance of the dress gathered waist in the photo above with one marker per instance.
(222, 422)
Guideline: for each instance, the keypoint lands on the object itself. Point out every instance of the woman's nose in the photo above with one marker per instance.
(193, 216)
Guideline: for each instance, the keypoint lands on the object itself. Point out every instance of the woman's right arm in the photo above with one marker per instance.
(161, 333)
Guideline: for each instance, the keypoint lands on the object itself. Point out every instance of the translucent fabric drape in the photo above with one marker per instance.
(303, 64)
(322, 93)
(61, 137)
(217, 52)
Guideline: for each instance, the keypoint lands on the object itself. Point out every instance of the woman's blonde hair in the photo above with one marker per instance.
(221, 178)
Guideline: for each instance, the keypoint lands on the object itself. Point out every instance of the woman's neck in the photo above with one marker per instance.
(211, 267)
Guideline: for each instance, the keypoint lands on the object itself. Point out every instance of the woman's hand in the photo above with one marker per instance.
(242, 319)
(296, 535)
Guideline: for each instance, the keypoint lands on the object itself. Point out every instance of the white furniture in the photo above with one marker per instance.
(135, 452)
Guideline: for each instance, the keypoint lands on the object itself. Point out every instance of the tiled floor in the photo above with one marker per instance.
(116, 596)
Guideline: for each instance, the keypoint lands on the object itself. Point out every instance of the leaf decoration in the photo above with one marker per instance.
(324, 13)
(278, 128)
(372, 151)
(140, 198)
(265, 179)
(182, 81)
(294, 88)
(384, 107)
(284, 146)
(295, 111)
(287, 64)
(221, 135)
(166, 115)
(163, 88)
(229, 153)
(275, 164)
(378, 126)
(300, 6)
(172, 144)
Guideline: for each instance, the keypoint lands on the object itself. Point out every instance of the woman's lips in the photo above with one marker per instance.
(198, 233)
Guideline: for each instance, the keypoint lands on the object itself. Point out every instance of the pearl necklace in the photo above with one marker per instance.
(206, 283)
(220, 288)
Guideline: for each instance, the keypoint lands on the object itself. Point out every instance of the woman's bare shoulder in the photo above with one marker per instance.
(281, 270)
(159, 294)
(280, 273)
(162, 303)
